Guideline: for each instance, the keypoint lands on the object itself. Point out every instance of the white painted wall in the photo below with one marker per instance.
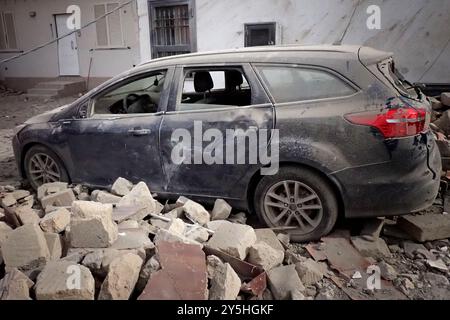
(31, 32)
(417, 31)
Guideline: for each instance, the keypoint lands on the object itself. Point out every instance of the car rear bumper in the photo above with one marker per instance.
(409, 182)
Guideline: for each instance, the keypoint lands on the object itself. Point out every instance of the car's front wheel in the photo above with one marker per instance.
(298, 201)
(43, 166)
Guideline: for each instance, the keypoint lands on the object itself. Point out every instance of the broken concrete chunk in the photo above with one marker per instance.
(175, 213)
(25, 248)
(27, 215)
(20, 194)
(221, 210)
(214, 225)
(167, 236)
(372, 229)
(212, 263)
(150, 267)
(4, 231)
(197, 234)
(283, 281)
(269, 237)
(140, 196)
(54, 244)
(438, 265)
(122, 277)
(93, 260)
(8, 200)
(15, 286)
(240, 218)
(176, 226)
(94, 232)
(129, 224)
(387, 271)
(65, 280)
(135, 238)
(181, 201)
(56, 221)
(27, 201)
(106, 197)
(265, 256)
(84, 196)
(445, 98)
(53, 186)
(89, 209)
(225, 284)
(310, 271)
(410, 248)
(121, 187)
(196, 212)
(426, 227)
(234, 239)
(376, 249)
(60, 199)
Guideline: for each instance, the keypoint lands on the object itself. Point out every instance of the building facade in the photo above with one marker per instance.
(417, 31)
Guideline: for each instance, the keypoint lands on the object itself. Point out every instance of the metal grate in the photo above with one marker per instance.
(171, 30)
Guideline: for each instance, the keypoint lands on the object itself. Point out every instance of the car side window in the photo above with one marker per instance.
(208, 88)
(289, 84)
(138, 95)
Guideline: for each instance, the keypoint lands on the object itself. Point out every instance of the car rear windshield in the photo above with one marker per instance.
(396, 79)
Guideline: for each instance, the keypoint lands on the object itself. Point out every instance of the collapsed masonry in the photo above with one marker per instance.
(124, 244)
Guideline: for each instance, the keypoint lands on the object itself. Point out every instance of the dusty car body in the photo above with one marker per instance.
(353, 139)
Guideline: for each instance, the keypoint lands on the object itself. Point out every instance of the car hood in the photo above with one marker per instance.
(46, 116)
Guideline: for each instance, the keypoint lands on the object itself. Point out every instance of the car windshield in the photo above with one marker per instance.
(391, 73)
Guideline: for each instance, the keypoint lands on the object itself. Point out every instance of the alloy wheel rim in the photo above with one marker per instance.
(43, 169)
(292, 203)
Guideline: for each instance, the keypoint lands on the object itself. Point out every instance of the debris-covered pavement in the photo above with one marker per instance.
(69, 242)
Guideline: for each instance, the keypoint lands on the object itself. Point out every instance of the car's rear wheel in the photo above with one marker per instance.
(298, 201)
(43, 166)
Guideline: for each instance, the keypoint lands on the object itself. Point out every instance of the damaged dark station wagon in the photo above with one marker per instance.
(354, 135)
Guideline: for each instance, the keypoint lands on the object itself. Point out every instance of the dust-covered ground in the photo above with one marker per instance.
(15, 109)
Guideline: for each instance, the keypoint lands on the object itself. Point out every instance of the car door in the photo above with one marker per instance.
(105, 146)
(197, 122)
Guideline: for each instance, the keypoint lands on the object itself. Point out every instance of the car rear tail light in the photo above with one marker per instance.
(395, 122)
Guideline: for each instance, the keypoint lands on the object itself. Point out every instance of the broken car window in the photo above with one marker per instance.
(204, 88)
(141, 95)
(289, 84)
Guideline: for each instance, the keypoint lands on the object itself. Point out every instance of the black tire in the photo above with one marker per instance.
(42, 150)
(302, 180)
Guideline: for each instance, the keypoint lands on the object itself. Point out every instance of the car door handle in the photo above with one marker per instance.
(139, 132)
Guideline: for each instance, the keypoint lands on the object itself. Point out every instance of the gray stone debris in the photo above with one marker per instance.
(283, 281)
(59, 199)
(376, 249)
(92, 225)
(140, 196)
(310, 271)
(437, 264)
(176, 226)
(56, 221)
(240, 218)
(25, 248)
(234, 239)
(122, 277)
(20, 194)
(51, 187)
(165, 235)
(129, 224)
(212, 263)
(151, 266)
(225, 284)
(27, 215)
(8, 200)
(427, 227)
(106, 197)
(284, 238)
(121, 187)
(65, 280)
(372, 229)
(388, 272)
(15, 286)
(221, 210)
(196, 212)
(445, 98)
(268, 236)
(4, 231)
(214, 225)
(197, 234)
(265, 256)
(54, 244)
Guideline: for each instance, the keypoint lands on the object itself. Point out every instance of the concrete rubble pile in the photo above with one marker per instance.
(70, 242)
(440, 125)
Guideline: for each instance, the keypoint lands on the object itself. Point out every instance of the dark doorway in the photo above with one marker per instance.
(260, 34)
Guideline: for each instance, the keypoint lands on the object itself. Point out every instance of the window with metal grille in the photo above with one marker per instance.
(109, 28)
(171, 29)
(7, 31)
